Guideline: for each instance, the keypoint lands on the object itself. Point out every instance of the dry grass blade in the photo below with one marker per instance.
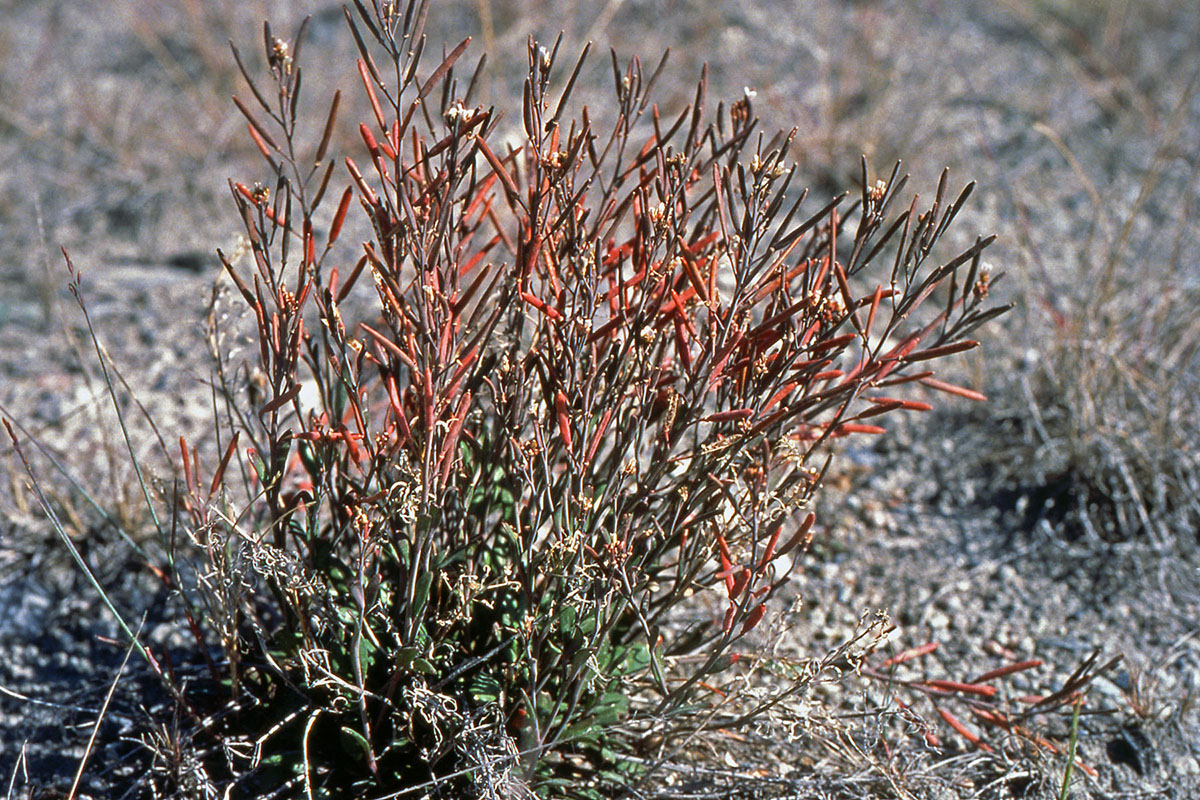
(99, 719)
(74, 551)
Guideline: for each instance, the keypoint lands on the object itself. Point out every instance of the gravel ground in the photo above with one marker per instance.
(116, 140)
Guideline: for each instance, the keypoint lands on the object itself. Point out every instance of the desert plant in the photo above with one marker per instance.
(602, 372)
(1107, 446)
(1008, 725)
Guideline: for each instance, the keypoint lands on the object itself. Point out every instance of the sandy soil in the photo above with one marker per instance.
(116, 139)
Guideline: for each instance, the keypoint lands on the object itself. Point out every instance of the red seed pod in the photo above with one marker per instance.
(564, 422)
(219, 475)
(730, 416)
(756, 615)
(853, 427)
(723, 358)
(894, 402)
(1008, 670)
(783, 392)
(369, 139)
(885, 405)
(769, 552)
(259, 142)
(367, 192)
(369, 85)
(875, 298)
(907, 655)
(725, 555)
(966, 688)
(339, 218)
(550, 312)
(681, 346)
(740, 581)
(188, 477)
(803, 534)
(963, 731)
(950, 388)
(944, 350)
(310, 245)
(726, 565)
(728, 572)
(834, 343)
(693, 277)
(452, 435)
(598, 435)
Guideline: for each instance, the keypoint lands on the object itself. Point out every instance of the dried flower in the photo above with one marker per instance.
(279, 57)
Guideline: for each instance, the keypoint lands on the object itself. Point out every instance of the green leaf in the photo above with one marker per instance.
(367, 652)
(421, 593)
(585, 733)
(485, 689)
(429, 521)
(421, 637)
(354, 742)
(287, 643)
(567, 618)
(279, 456)
(260, 468)
(340, 396)
(272, 762)
(338, 573)
(611, 708)
(405, 656)
(637, 659)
